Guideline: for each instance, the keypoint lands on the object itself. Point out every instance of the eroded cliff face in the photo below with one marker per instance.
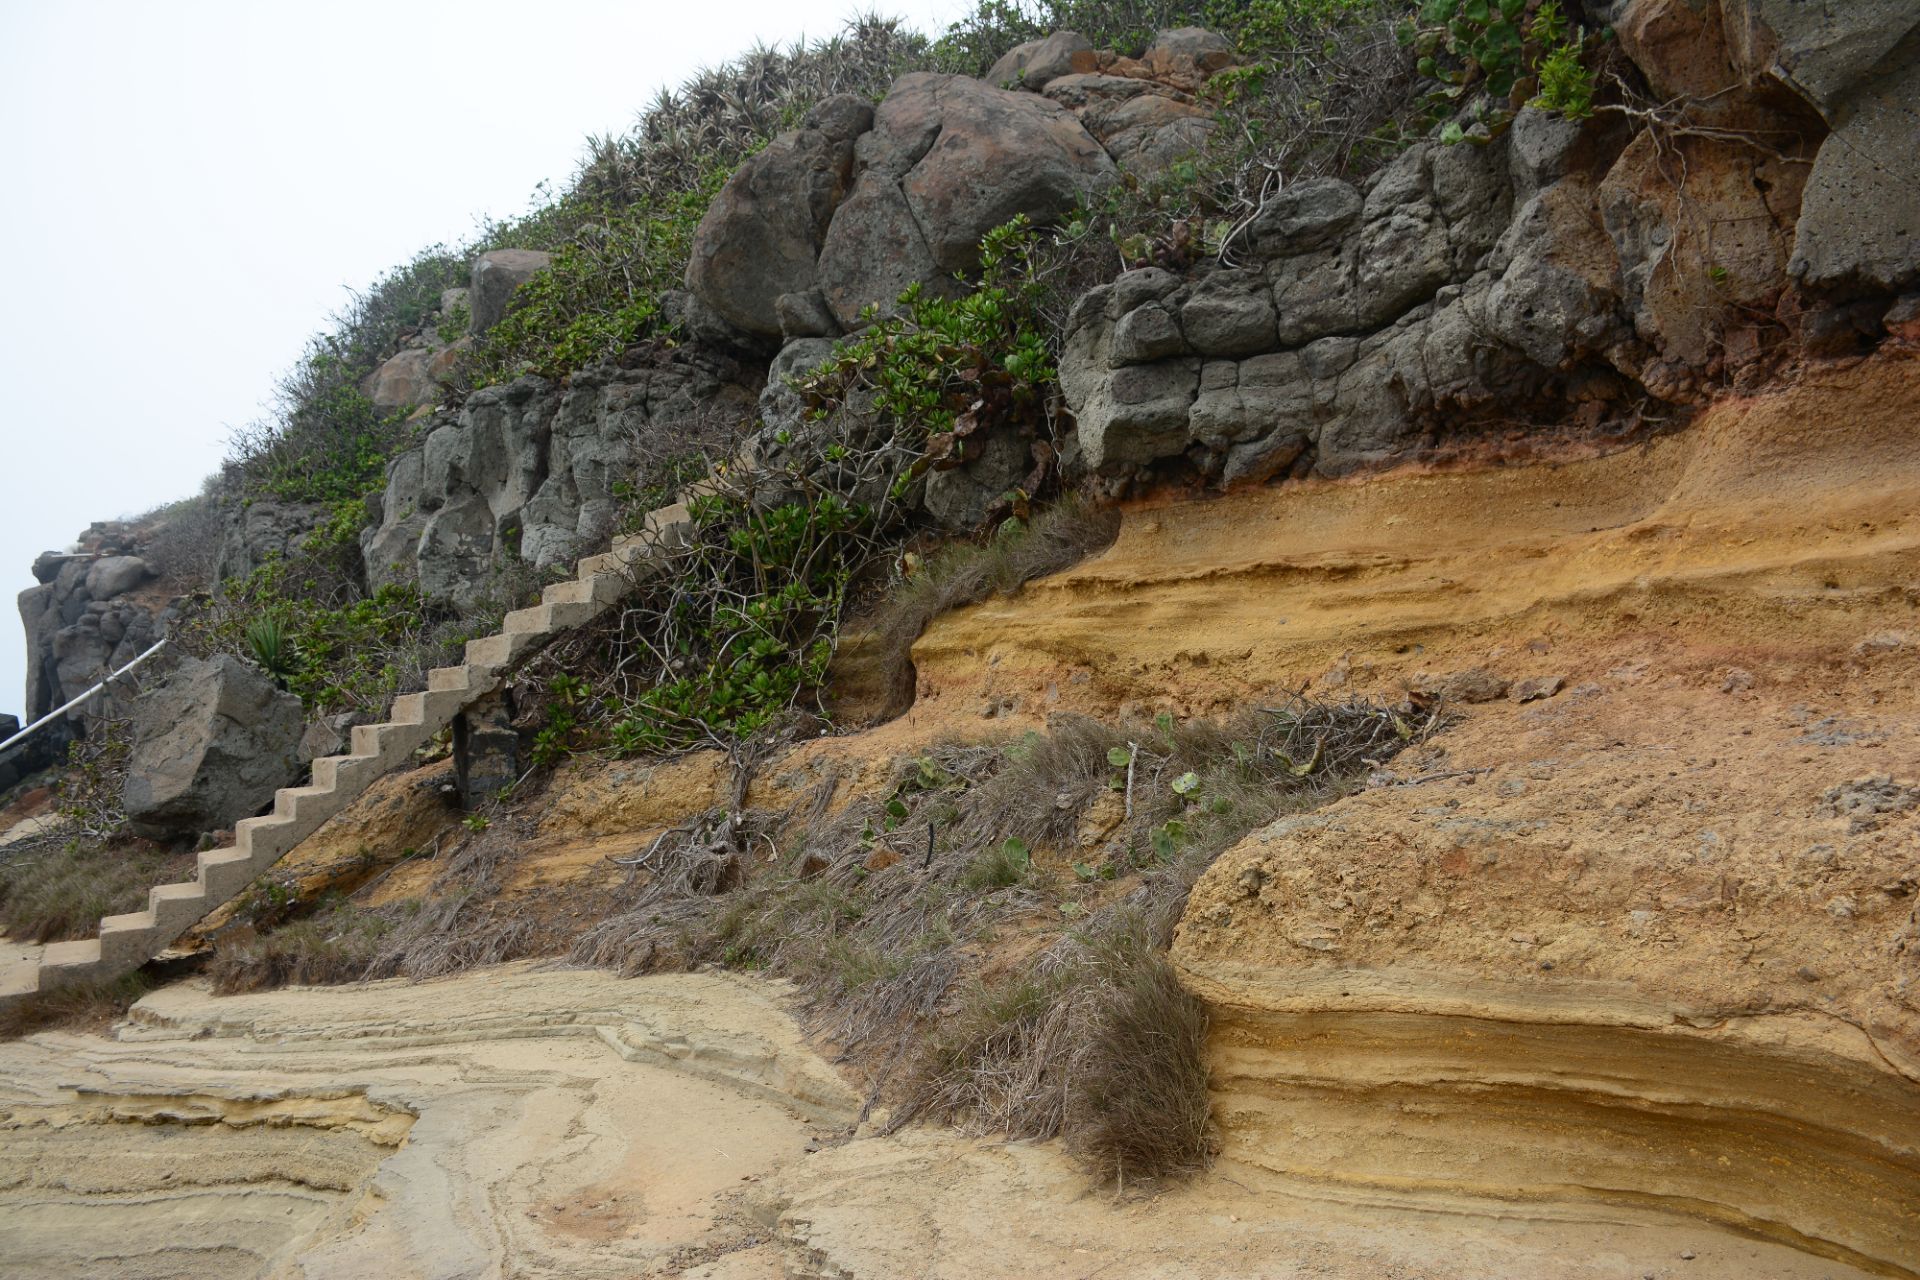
(1614, 975)
(1639, 930)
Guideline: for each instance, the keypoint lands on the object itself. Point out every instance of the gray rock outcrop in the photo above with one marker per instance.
(83, 620)
(532, 469)
(263, 530)
(211, 746)
(760, 238)
(856, 205)
(496, 274)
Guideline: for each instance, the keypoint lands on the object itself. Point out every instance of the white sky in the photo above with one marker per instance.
(187, 189)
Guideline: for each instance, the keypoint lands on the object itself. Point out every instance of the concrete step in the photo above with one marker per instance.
(64, 962)
(126, 942)
(345, 771)
(129, 940)
(499, 650)
(666, 528)
(259, 838)
(224, 872)
(176, 907)
(389, 742)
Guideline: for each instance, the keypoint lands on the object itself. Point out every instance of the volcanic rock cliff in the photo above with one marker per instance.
(1578, 453)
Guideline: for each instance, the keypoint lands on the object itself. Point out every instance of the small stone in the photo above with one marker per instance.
(1536, 689)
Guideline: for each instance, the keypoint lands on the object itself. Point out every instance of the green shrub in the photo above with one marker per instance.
(1497, 54)
(353, 654)
(601, 293)
(952, 367)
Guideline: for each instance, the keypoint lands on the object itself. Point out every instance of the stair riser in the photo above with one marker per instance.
(178, 914)
(123, 951)
(223, 880)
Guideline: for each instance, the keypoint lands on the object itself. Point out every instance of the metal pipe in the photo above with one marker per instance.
(57, 712)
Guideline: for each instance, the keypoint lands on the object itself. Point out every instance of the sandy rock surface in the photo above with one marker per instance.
(503, 1123)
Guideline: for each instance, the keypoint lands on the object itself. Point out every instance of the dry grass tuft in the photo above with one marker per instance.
(335, 944)
(79, 1006)
(57, 886)
(1097, 1041)
(887, 914)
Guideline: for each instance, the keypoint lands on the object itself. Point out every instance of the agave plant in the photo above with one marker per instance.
(272, 648)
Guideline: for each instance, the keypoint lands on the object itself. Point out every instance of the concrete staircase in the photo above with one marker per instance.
(128, 941)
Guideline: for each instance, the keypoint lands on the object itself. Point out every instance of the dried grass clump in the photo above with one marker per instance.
(77, 1006)
(56, 887)
(467, 921)
(336, 944)
(1098, 1041)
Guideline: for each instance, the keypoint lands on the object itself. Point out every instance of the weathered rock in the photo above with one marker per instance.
(990, 155)
(805, 315)
(404, 382)
(327, 736)
(963, 497)
(46, 565)
(1825, 52)
(1188, 55)
(1259, 461)
(116, 575)
(781, 407)
(263, 530)
(1131, 416)
(1097, 89)
(1683, 285)
(1037, 63)
(496, 274)
(761, 236)
(1859, 225)
(1313, 297)
(211, 746)
(390, 546)
(1556, 294)
(1230, 313)
(1305, 216)
(45, 748)
(1146, 335)
(1148, 134)
(874, 251)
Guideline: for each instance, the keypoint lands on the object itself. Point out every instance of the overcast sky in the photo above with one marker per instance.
(191, 187)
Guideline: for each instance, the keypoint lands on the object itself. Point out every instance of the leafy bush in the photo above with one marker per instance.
(601, 293)
(975, 42)
(1497, 54)
(324, 442)
(353, 654)
(954, 367)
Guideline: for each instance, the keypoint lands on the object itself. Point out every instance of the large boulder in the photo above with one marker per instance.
(1038, 63)
(211, 746)
(762, 234)
(948, 160)
(496, 274)
(404, 382)
(1859, 226)
(116, 575)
